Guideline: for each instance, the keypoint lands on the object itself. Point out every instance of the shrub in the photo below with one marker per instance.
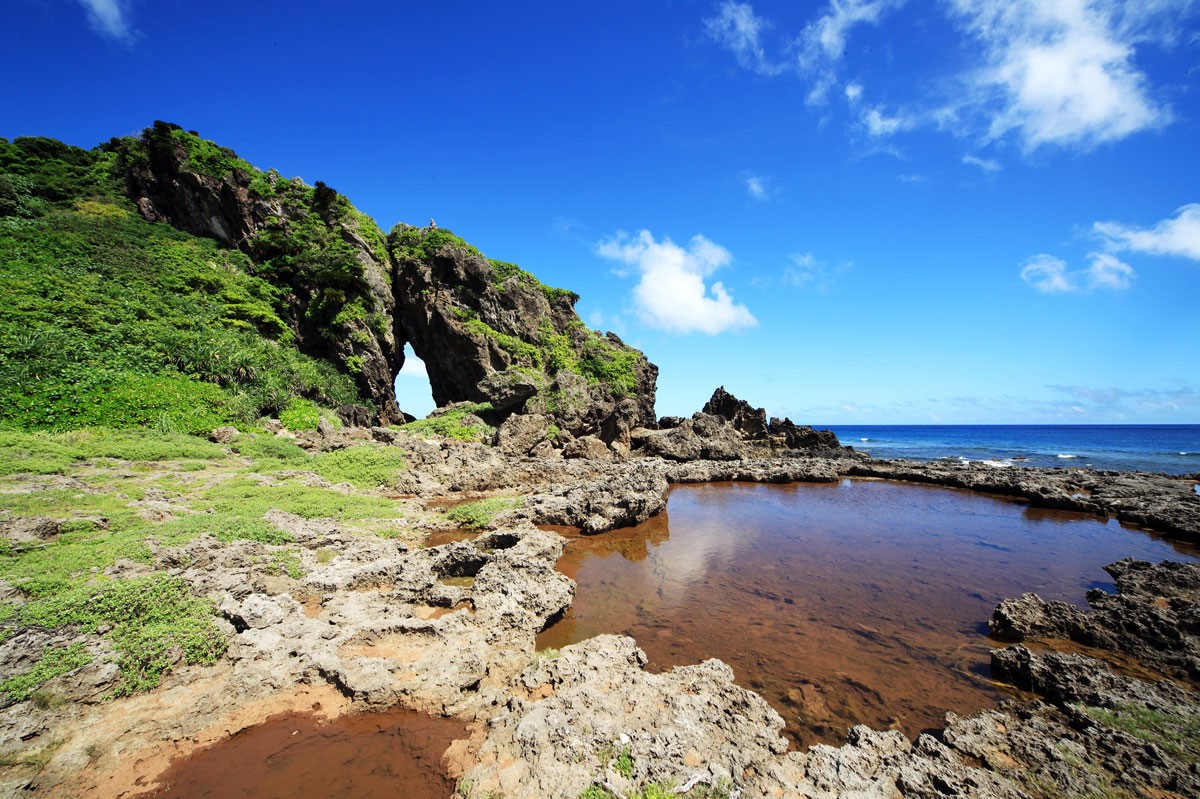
(300, 414)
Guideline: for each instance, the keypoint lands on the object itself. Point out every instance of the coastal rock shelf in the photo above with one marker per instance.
(451, 630)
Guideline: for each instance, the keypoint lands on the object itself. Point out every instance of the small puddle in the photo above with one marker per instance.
(365, 756)
(442, 537)
(863, 602)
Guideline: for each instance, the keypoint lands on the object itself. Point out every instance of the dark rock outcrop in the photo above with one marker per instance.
(789, 435)
(750, 422)
(1155, 617)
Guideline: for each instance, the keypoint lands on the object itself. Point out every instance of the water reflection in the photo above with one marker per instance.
(858, 602)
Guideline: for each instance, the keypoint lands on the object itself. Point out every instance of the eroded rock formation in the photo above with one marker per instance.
(486, 330)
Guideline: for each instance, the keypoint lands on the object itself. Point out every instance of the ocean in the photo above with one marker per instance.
(1174, 449)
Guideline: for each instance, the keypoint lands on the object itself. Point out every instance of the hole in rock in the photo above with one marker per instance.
(414, 395)
(496, 541)
(460, 562)
(366, 755)
(889, 592)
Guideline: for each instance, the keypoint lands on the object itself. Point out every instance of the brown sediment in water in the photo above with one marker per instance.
(394, 753)
(842, 604)
(442, 537)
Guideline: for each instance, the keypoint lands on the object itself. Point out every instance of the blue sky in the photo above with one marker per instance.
(865, 211)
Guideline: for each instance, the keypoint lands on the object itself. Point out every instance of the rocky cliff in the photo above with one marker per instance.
(487, 331)
(329, 258)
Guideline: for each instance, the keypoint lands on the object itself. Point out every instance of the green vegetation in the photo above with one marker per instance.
(266, 450)
(457, 424)
(364, 465)
(248, 498)
(481, 513)
(146, 618)
(53, 453)
(623, 764)
(503, 271)
(112, 321)
(421, 244)
(52, 663)
(116, 322)
(1172, 729)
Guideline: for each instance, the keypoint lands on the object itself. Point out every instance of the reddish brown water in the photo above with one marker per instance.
(860, 602)
(397, 753)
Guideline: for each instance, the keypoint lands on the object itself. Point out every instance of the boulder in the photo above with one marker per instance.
(521, 433)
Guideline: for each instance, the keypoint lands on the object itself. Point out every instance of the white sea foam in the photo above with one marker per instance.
(1065, 456)
(867, 439)
(1004, 464)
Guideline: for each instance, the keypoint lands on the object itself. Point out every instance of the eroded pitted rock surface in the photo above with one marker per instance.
(450, 629)
(1154, 617)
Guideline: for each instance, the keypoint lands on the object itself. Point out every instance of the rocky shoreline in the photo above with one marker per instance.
(450, 630)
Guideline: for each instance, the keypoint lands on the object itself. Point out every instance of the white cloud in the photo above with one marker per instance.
(1058, 73)
(823, 43)
(737, 28)
(671, 294)
(1047, 274)
(413, 367)
(109, 18)
(1062, 73)
(816, 53)
(1107, 272)
(986, 164)
(1050, 275)
(879, 124)
(1179, 236)
(829, 32)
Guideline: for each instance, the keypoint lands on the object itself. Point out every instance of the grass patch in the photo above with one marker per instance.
(53, 453)
(481, 513)
(249, 498)
(52, 663)
(1171, 729)
(363, 466)
(287, 561)
(149, 619)
(266, 449)
(223, 527)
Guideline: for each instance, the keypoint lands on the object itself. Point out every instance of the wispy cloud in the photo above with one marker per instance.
(737, 28)
(759, 188)
(986, 164)
(671, 293)
(1047, 74)
(1050, 275)
(110, 19)
(806, 272)
(1178, 236)
(823, 43)
(1062, 73)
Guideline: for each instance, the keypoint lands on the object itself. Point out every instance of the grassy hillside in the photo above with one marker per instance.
(113, 321)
